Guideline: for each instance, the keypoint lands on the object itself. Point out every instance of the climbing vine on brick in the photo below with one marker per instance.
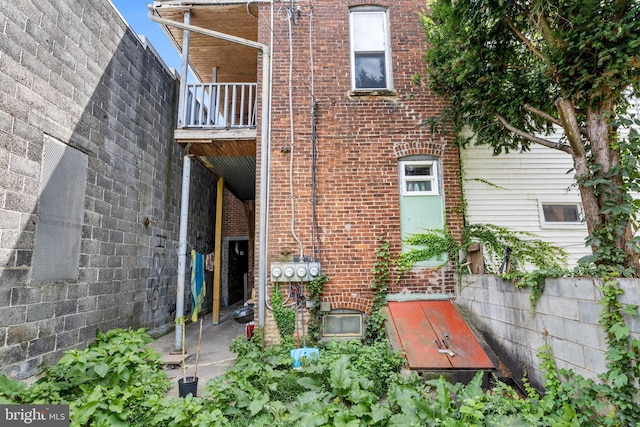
(285, 317)
(315, 289)
(381, 277)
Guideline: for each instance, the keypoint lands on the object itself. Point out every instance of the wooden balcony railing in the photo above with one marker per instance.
(220, 106)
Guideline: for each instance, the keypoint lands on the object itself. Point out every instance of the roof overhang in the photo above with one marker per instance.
(233, 62)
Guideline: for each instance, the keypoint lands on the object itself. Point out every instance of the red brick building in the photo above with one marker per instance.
(341, 139)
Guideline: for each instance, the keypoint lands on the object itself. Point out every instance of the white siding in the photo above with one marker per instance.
(505, 190)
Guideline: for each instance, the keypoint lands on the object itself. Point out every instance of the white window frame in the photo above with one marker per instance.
(373, 10)
(433, 178)
(560, 224)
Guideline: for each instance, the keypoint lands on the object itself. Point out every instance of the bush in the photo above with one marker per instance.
(105, 384)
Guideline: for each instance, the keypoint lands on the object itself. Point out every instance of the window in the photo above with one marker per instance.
(370, 53)
(343, 323)
(61, 209)
(560, 214)
(419, 178)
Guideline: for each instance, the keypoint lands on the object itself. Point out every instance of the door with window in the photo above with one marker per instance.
(421, 202)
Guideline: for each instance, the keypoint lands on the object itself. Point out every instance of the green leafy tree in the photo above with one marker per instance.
(515, 70)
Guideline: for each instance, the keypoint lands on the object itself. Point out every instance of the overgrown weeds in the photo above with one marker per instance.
(350, 384)
(106, 384)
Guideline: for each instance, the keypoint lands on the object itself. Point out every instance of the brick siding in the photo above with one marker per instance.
(359, 142)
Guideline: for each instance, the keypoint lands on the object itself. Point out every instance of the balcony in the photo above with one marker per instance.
(220, 106)
(217, 118)
(225, 110)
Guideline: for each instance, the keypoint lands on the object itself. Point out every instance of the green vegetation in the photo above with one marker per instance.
(314, 290)
(285, 317)
(109, 383)
(525, 249)
(119, 382)
(381, 276)
(518, 71)
(623, 354)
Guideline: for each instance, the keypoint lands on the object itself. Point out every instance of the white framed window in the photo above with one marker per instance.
(560, 214)
(419, 178)
(370, 49)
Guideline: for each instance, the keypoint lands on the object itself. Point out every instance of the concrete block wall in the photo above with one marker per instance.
(566, 317)
(73, 71)
(200, 230)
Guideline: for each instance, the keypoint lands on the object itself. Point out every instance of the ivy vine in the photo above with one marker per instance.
(525, 248)
(430, 244)
(285, 317)
(622, 355)
(381, 277)
(315, 290)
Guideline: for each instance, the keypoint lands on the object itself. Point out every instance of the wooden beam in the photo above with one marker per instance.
(218, 252)
(224, 149)
(206, 135)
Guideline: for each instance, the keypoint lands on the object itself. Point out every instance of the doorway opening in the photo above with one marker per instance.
(237, 271)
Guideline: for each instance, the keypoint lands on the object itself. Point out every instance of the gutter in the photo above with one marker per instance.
(264, 145)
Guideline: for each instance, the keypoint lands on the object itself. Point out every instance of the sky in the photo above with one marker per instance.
(135, 13)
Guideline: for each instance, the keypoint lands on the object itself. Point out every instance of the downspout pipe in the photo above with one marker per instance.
(182, 249)
(184, 203)
(184, 70)
(264, 143)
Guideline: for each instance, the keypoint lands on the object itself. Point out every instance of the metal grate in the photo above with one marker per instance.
(61, 208)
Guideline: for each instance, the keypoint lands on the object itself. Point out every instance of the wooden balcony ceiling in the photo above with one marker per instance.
(223, 148)
(232, 159)
(235, 63)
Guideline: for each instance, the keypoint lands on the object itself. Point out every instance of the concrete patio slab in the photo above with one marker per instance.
(215, 357)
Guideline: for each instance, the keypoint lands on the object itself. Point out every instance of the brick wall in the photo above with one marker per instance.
(235, 221)
(74, 72)
(359, 141)
(566, 317)
(235, 226)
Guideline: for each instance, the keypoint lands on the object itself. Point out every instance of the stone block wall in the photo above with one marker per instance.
(566, 317)
(73, 72)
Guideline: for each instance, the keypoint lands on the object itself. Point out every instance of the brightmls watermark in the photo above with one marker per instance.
(34, 415)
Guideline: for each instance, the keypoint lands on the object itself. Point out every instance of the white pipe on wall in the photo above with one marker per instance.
(182, 249)
(182, 103)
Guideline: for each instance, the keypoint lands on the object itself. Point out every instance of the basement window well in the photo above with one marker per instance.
(343, 324)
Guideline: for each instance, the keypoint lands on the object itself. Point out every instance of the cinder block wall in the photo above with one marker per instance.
(566, 317)
(359, 142)
(73, 71)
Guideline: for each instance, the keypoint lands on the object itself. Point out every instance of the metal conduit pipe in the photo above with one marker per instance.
(182, 249)
(264, 143)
